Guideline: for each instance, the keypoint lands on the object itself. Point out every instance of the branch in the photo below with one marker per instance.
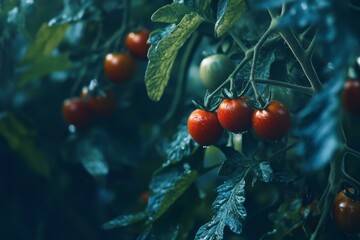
(307, 90)
(256, 51)
(302, 57)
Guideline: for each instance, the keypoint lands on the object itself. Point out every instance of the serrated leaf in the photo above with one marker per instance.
(228, 210)
(171, 13)
(167, 185)
(262, 172)
(47, 39)
(21, 139)
(180, 146)
(163, 54)
(229, 11)
(125, 220)
(44, 66)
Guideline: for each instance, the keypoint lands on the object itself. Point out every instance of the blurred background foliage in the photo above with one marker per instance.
(54, 183)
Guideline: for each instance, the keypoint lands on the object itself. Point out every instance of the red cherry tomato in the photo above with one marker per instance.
(119, 68)
(100, 104)
(136, 43)
(204, 127)
(76, 112)
(235, 115)
(346, 212)
(351, 97)
(271, 123)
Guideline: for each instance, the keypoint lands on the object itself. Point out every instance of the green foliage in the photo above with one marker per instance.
(227, 208)
(42, 66)
(21, 138)
(172, 13)
(229, 11)
(163, 54)
(47, 39)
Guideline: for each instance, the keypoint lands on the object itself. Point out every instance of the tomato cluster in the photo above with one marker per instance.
(120, 68)
(236, 115)
(79, 111)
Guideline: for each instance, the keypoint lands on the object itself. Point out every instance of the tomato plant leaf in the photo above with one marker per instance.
(286, 219)
(125, 220)
(70, 14)
(179, 147)
(21, 139)
(47, 39)
(163, 54)
(92, 158)
(165, 228)
(318, 124)
(167, 185)
(227, 208)
(171, 13)
(44, 66)
(262, 172)
(229, 11)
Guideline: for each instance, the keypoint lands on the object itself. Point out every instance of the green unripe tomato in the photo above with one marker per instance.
(214, 70)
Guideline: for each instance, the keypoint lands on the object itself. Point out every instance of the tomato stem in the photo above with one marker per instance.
(256, 51)
(303, 56)
(352, 152)
(307, 90)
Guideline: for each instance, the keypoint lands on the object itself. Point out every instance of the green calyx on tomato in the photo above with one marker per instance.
(272, 122)
(346, 211)
(204, 127)
(214, 70)
(119, 68)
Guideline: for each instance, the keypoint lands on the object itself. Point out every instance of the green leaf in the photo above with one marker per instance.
(125, 220)
(47, 39)
(286, 219)
(163, 54)
(92, 158)
(167, 185)
(171, 13)
(228, 209)
(229, 11)
(43, 67)
(262, 172)
(21, 139)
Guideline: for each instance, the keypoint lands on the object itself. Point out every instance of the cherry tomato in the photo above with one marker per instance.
(214, 70)
(271, 123)
(204, 127)
(346, 212)
(102, 103)
(144, 197)
(136, 43)
(76, 112)
(351, 97)
(235, 115)
(119, 67)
